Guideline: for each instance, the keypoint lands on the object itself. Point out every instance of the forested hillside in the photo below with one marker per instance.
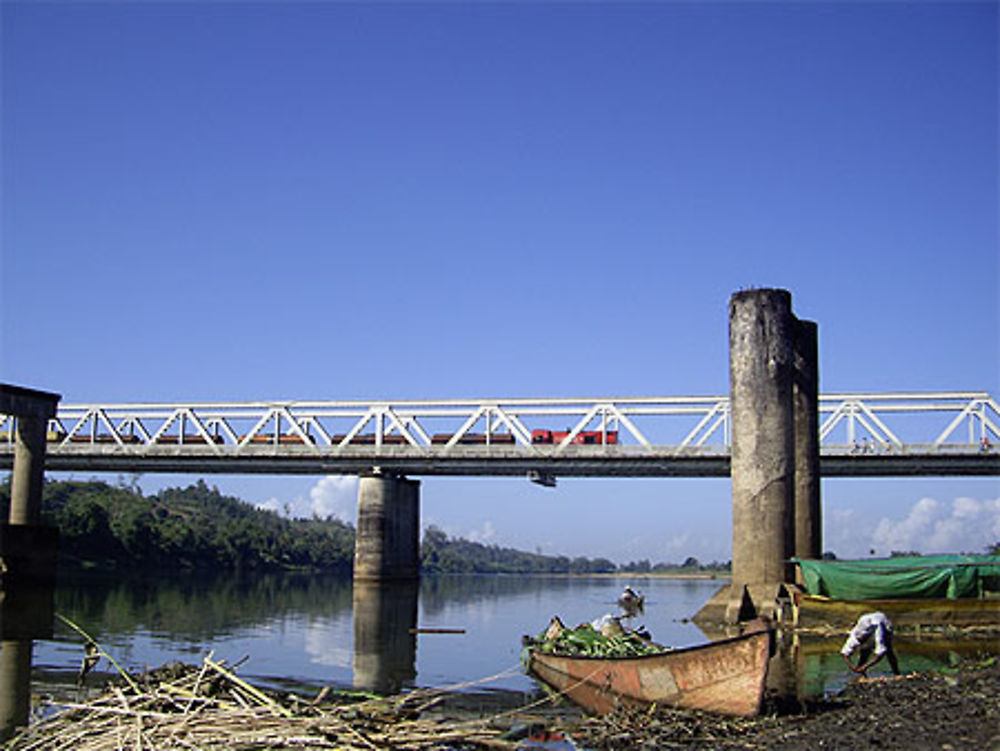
(187, 528)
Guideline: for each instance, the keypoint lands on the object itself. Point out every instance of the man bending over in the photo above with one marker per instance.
(873, 634)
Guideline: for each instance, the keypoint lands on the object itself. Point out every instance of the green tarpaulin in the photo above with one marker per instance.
(944, 576)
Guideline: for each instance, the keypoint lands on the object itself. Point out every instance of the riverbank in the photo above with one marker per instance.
(957, 710)
(721, 576)
(209, 707)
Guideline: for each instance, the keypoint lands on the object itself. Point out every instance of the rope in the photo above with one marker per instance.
(547, 699)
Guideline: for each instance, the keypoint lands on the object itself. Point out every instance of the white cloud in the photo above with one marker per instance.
(335, 495)
(483, 535)
(966, 525)
(271, 504)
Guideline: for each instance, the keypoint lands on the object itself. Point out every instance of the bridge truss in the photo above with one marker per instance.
(860, 434)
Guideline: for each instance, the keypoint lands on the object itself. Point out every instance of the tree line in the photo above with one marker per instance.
(197, 527)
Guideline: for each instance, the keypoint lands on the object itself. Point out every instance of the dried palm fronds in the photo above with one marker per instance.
(209, 707)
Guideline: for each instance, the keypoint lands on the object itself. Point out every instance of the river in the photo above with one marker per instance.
(305, 631)
(309, 630)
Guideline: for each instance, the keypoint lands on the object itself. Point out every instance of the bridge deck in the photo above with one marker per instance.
(875, 435)
(573, 461)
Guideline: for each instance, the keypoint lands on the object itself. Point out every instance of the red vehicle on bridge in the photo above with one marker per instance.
(584, 436)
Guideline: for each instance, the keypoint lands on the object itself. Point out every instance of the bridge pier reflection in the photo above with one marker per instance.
(26, 614)
(385, 642)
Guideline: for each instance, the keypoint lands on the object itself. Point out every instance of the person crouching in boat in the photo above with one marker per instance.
(630, 601)
(873, 635)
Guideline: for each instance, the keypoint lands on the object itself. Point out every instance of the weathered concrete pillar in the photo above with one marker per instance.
(33, 409)
(387, 545)
(805, 395)
(15, 685)
(27, 549)
(29, 470)
(761, 331)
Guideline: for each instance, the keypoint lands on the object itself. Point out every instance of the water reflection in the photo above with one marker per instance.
(198, 607)
(303, 631)
(820, 670)
(25, 615)
(385, 640)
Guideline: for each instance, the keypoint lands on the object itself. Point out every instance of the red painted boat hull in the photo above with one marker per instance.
(726, 677)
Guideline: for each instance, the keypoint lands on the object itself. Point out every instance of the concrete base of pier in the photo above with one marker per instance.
(734, 605)
(15, 685)
(387, 546)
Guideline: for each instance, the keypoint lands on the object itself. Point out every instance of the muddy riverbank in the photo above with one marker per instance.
(211, 708)
(956, 710)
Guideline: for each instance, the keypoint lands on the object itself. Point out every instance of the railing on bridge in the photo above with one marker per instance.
(924, 423)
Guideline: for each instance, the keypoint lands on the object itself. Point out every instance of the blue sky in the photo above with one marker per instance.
(236, 201)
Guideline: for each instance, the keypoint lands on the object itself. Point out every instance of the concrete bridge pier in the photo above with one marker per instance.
(15, 685)
(761, 332)
(387, 546)
(33, 410)
(807, 508)
(27, 555)
(28, 549)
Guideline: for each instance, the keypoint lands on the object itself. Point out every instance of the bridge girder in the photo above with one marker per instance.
(875, 435)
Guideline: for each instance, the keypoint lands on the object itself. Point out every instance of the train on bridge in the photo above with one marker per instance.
(539, 436)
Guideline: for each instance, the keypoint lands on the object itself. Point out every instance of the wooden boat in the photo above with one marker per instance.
(725, 676)
(817, 613)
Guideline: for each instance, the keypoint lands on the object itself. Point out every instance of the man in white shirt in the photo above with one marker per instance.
(873, 634)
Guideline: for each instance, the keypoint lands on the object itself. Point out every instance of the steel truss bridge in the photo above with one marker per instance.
(860, 435)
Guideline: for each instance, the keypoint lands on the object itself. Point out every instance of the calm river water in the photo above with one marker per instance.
(314, 630)
(304, 631)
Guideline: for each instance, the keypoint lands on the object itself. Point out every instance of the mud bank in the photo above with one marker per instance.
(949, 711)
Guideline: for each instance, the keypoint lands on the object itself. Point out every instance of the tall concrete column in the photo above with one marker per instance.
(805, 395)
(761, 330)
(15, 685)
(29, 470)
(33, 409)
(387, 545)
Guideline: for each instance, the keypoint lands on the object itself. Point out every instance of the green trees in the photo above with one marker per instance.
(197, 527)
(185, 528)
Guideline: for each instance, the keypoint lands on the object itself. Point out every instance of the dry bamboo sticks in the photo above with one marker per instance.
(210, 708)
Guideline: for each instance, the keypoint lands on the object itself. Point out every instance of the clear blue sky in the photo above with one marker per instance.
(313, 200)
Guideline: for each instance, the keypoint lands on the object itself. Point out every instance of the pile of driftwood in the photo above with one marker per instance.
(187, 707)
